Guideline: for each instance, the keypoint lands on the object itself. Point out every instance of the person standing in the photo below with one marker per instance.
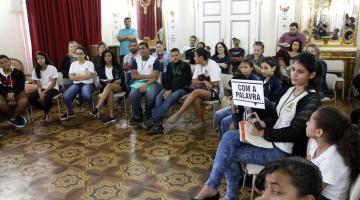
(125, 35)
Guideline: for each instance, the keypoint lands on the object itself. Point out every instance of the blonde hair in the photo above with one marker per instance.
(72, 42)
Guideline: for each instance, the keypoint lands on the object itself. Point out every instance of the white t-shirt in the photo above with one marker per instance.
(146, 67)
(46, 77)
(333, 170)
(213, 70)
(286, 110)
(108, 73)
(76, 68)
(128, 58)
(185, 48)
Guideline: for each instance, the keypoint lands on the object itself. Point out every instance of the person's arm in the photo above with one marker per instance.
(52, 85)
(127, 62)
(188, 73)
(169, 77)
(296, 131)
(281, 42)
(154, 77)
(135, 74)
(124, 37)
(20, 82)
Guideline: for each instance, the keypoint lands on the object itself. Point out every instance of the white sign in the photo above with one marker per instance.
(248, 93)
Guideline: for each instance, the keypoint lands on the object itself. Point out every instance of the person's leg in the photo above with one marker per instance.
(48, 99)
(4, 108)
(21, 104)
(356, 82)
(163, 106)
(104, 96)
(114, 88)
(220, 115)
(150, 96)
(199, 109)
(225, 123)
(86, 93)
(34, 100)
(68, 97)
(135, 100)
(159, 99)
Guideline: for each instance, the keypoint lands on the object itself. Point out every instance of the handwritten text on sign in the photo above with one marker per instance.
(248, 93)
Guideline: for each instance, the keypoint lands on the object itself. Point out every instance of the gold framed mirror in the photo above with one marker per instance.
(329, 22)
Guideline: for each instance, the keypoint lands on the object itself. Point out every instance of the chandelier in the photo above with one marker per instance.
(146, 3)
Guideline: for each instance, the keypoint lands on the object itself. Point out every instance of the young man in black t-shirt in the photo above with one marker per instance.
(237, 55)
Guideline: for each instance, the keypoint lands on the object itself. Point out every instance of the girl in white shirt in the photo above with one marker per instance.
(81, 73)
(45, 76)
(335, 148)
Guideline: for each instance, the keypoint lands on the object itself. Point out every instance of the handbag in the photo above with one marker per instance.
(200, 85)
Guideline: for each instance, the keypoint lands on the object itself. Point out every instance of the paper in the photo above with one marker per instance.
(245, 129)
(248, 93)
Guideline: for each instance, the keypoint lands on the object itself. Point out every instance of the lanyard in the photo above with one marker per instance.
(286, 101)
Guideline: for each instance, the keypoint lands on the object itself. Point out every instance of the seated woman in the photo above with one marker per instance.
(295, 49)
(81, 72)
(287, 135)
(290, 178)
(335, 148)
(206, 78)
(223, 117)
(314, 49)
(177, 85)
(222, 57)
(45, 76)
(66, 61)
(12, 94)
(112, 80)
(283, 59)
(97, 59)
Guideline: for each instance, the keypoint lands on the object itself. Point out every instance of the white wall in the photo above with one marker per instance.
(12, 42)
(186, 21)
(268, 26)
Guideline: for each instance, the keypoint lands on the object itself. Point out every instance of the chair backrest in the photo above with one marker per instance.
(336, 66)
(355, 190)
(60, 80)
(331, 80)
(225, 78)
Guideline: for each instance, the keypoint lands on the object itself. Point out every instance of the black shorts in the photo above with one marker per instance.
(214, 95)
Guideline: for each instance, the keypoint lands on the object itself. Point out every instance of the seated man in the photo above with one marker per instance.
(12, 94)
(177, 85)
(257, 56)
(145, 72)
(128, 59)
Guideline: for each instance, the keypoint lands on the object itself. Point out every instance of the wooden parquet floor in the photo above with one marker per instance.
(83, 159)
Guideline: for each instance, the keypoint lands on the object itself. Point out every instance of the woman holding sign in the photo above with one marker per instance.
(287, 135)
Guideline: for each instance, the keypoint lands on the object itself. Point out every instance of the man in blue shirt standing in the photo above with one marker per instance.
(125, 35)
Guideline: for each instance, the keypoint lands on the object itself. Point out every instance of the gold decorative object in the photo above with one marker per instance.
(145, 4)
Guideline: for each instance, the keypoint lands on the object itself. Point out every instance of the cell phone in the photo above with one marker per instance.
(257, 124)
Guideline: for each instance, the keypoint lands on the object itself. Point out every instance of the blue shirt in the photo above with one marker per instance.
(124, 45)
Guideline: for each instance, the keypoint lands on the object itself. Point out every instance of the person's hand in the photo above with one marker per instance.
(167, 93)
(232, 127)
(10, 96)
(42, 96)
(161, 61)
(142, 89)
(255, 118)
(208, 84)
(233, 107)
(130, 37)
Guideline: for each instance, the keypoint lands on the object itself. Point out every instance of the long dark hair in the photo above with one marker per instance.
(300, 45)
(37, 66)
(282, 54)
(83, 50)
(311, 64)
(273, 63)
(304, 175)
(338, 130)
(226, 51)
(114, 61)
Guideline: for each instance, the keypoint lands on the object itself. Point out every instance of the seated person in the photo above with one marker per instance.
(145, 72)
(290, 178)
(198, 45)
(97, 59)
(128, 60)
(283, 59)
(287, 135)
(222, 57)
(164, 59)
(223, 117)
(206, 86)
(237, 55)
(314, 49)
(81, 72)
(294, 50)
(177, 85)
(257, 56)
(68, 58)
(335, 148)
(29, 86)
(12, 94)
(112, 80)
(188, 50)
(45, 76)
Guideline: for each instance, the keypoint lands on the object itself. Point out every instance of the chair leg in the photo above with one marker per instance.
(343, 90)
(213, 120)
(253, 187)
(58, 104)
(244, 179)
(126, 114)
(335, 98)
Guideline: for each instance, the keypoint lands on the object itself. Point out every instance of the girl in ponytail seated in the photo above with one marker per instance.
(335, 148)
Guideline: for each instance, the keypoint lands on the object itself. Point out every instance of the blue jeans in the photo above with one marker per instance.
(222, 119)
(135, 99)
(162, 105)
(230, 153)
(85, 91)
